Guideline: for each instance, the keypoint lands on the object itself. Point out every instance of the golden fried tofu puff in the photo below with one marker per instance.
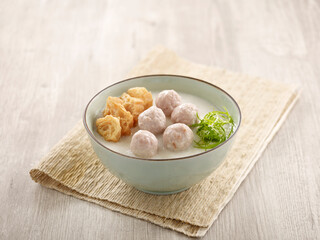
(134, 105)
(121, 114)
(115, 108)
(142, 93)
(109, 128)
(111, 101)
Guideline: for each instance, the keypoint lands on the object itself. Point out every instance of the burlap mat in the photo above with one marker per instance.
(72, 167)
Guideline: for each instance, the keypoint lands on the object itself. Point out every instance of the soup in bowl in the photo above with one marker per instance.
(168, 170)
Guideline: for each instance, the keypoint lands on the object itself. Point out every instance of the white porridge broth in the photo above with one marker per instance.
(123, 146)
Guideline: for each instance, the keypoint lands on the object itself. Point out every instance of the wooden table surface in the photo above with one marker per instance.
(54, 55)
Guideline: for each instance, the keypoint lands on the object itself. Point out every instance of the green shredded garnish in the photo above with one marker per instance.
(215, 128)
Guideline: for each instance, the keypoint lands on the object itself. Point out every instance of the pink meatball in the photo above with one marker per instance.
(177, 137)
(153, 120)
(185, 113)
(167, 100)
(144, 144)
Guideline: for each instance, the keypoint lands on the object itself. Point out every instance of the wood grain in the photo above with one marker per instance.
(55, 55)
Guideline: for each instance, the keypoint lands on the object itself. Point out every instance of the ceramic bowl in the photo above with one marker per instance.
(162, 176)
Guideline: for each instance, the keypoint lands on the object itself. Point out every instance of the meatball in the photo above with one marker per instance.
(153, 120)
(185, 113)
(144, 144)
(177, 137)
(168, 100)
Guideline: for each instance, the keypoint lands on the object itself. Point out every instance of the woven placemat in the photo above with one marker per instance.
(72, 167)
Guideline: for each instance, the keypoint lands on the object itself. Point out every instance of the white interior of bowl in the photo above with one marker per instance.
(156, 83)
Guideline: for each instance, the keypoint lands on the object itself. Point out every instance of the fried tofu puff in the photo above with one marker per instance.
(109, 128)
(134, 105)
(111, 100)
(115, 108)
(142, 93)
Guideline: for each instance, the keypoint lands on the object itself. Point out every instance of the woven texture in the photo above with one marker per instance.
(72, 167)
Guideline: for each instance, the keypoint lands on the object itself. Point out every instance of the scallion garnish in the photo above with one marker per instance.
(215, 128)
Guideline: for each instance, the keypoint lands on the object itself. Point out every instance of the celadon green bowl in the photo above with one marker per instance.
(162, 176)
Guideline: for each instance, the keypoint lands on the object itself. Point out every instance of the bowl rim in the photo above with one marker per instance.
(160, 159)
